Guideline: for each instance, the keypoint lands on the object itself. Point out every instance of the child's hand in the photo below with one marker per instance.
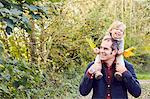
(121, 68)
(120, 52)
(96, 50)
(94, 68)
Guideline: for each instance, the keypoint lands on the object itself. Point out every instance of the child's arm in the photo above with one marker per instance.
(119, 58)
(120, 46)
(97, 59)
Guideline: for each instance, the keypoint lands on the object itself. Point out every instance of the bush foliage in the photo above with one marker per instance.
(49, 60)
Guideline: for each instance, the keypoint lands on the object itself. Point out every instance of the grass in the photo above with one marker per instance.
(143, 76)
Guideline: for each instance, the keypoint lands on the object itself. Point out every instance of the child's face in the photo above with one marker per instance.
(117, 33)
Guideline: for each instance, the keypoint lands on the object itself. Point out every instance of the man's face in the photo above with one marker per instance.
(106, 51)
(117, 33)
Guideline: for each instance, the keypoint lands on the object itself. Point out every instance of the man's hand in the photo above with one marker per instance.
(121, 69)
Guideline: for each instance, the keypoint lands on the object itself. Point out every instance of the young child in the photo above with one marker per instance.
(116, 32)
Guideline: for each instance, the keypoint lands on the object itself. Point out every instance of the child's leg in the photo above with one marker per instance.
(98, 73)
(119, 62)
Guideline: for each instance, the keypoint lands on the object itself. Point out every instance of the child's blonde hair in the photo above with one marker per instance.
(116, 25)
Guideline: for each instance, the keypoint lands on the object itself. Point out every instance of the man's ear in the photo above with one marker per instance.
(110, 30)
(114, 52)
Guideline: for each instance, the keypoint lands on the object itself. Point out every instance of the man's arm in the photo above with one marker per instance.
(130, 80)
(86, 83)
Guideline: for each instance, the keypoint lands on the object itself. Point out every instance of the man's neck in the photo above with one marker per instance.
(109, 62)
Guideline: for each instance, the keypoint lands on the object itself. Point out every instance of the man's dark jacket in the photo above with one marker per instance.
(118, 88)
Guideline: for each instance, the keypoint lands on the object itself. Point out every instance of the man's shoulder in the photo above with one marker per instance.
(128, 64)
(90, 64)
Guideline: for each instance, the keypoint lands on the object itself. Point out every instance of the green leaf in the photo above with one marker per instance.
(23, 81)
(1, 48)
(6, 76)
(31, 7)
(36, 16)
(25, 19)
(1, 5)
(9, 23)
(6, 3)
(16, 84)
(14, 19)
(4, 11)
(4, 88)
(26, 24)
(8, 30)
(43, 10)
(15, 12)
(27, 27)
(1, 60)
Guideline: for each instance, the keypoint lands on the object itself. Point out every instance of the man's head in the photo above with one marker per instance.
(108, 48)
(117, 29)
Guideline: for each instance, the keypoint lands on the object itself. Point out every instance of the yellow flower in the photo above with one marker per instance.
(91, 43)
(128, 52)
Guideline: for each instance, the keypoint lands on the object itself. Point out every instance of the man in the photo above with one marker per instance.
(108, 87)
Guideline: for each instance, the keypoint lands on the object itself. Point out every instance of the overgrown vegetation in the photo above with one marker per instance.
(46, 56)
(143, 76)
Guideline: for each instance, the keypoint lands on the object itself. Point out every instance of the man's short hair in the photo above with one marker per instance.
(114, 45)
